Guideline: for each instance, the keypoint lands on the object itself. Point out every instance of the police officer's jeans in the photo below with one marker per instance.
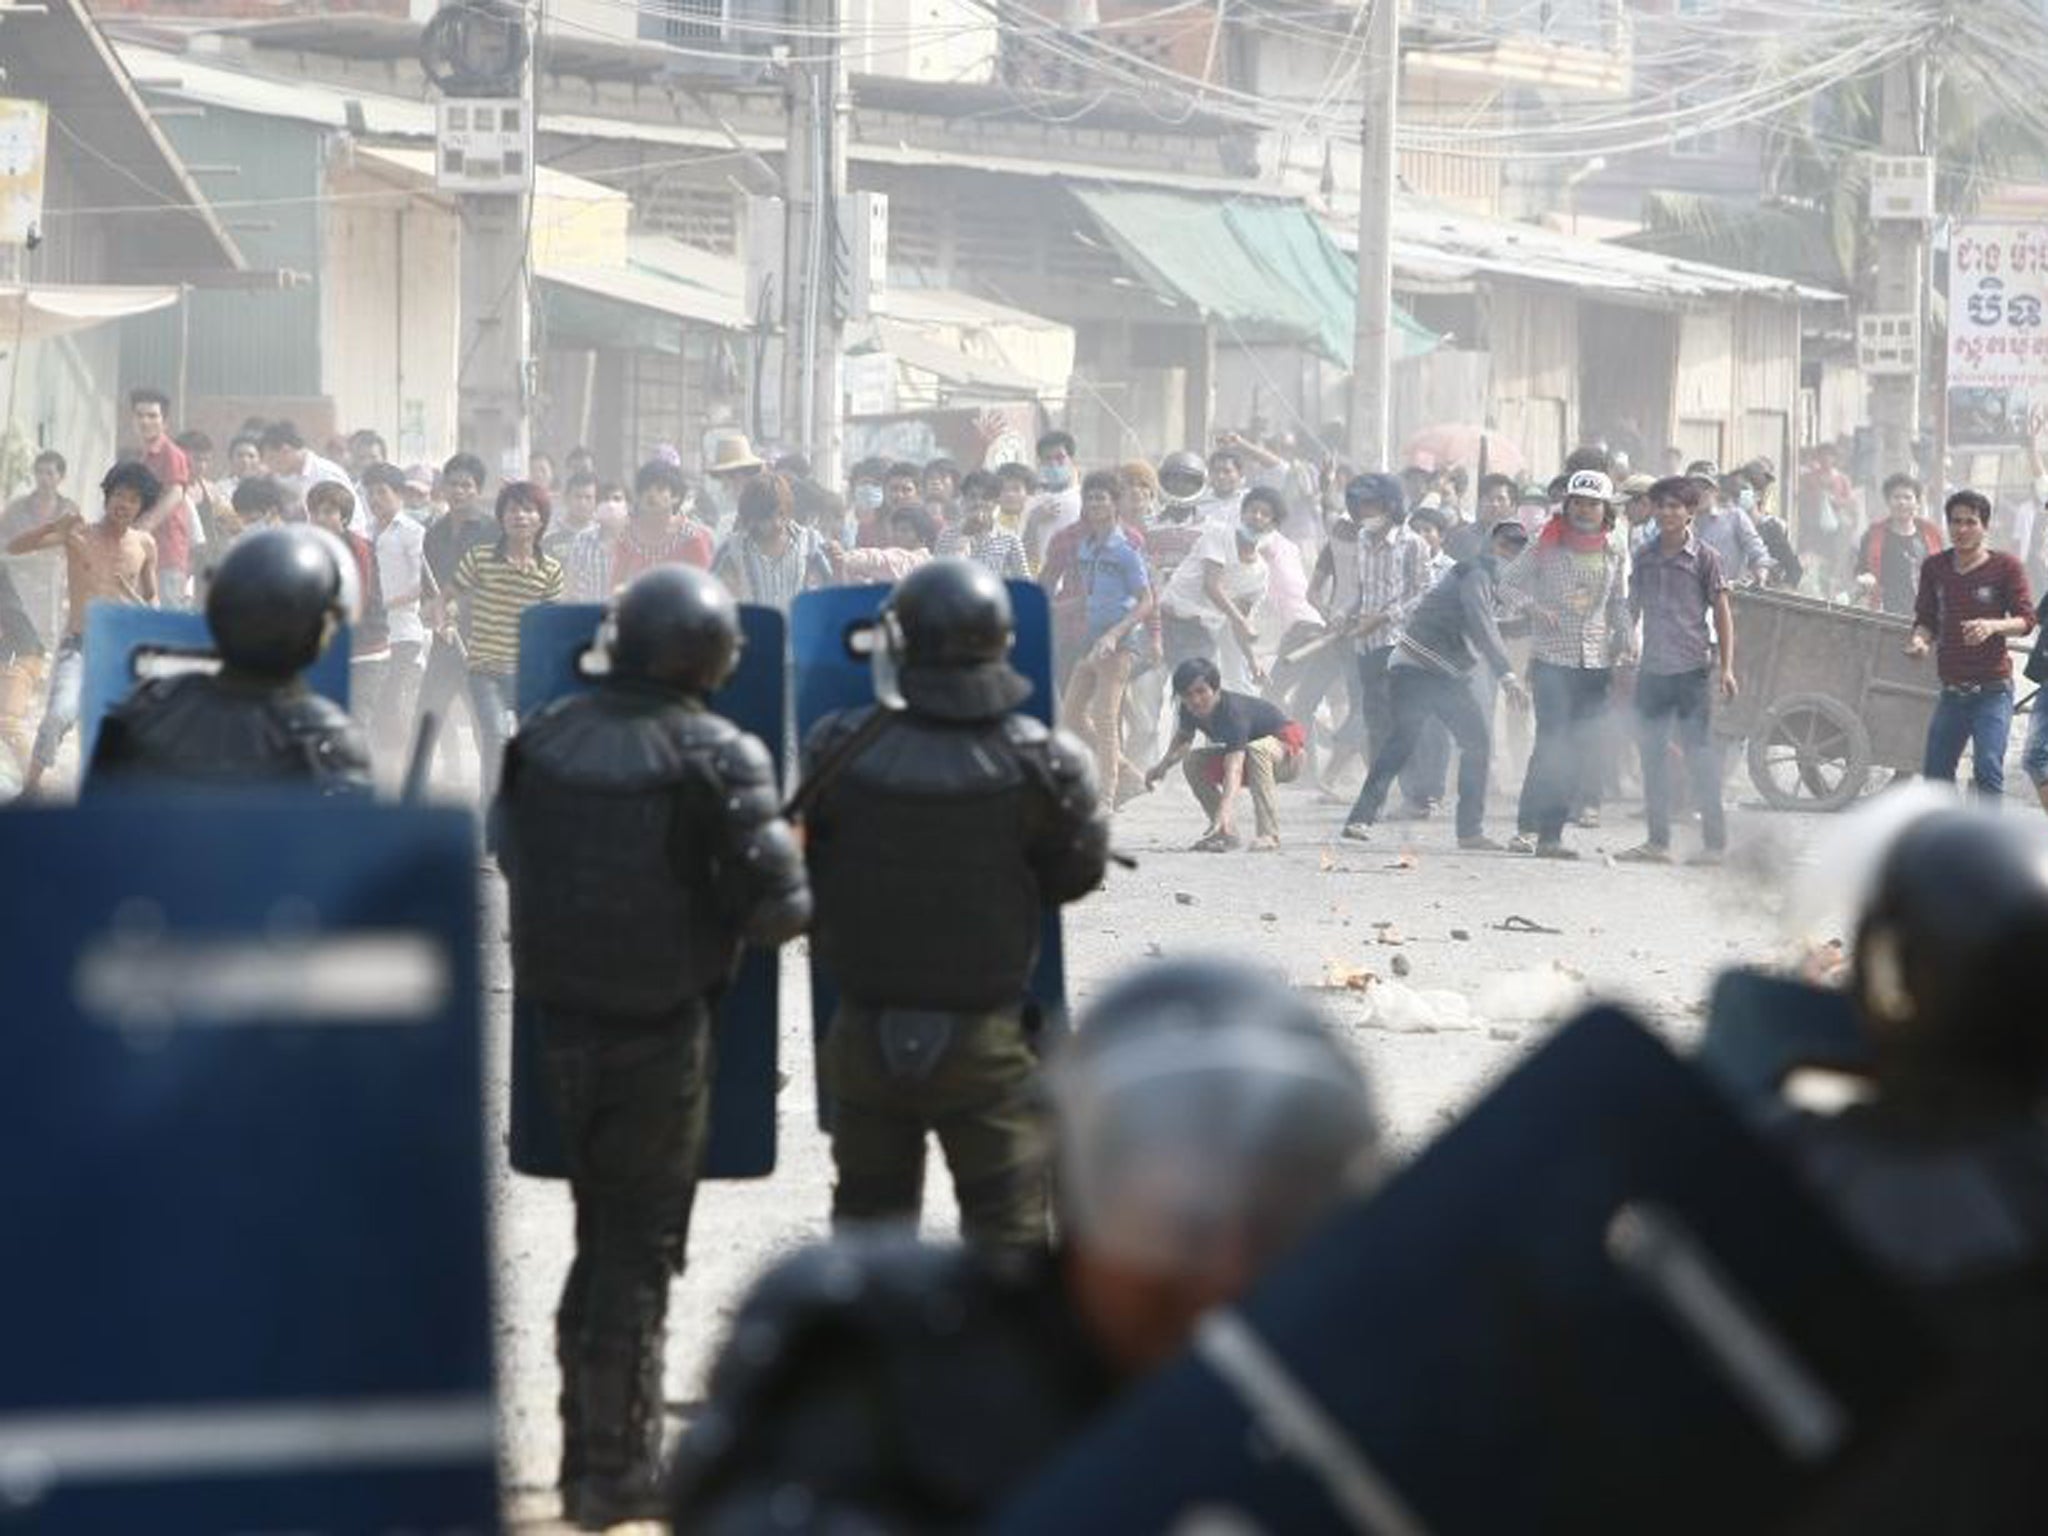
(632, 1094)
(976, 1091)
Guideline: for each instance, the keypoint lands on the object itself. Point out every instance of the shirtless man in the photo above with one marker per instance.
(109, 561)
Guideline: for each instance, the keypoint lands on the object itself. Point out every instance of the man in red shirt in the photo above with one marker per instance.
(169, 522)
(661, 532)
(1971, 598)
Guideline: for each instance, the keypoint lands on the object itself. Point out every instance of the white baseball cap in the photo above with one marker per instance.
(1590, 485)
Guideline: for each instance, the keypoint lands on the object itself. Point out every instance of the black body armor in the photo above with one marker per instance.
(642, 841)
(230, 729)
(935, 851)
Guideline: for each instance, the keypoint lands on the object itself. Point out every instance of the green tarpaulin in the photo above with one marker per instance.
(1263, 269)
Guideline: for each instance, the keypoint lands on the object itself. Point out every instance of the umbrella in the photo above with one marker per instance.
(1458, 442)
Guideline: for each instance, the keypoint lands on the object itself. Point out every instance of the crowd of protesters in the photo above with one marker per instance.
(1297, 620)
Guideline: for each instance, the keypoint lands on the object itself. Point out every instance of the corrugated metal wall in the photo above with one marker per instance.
(245, 343)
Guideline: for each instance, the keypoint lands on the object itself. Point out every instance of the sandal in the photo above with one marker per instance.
(1217, 842)
(1265, 845)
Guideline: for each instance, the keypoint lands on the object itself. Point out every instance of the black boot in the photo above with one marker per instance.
(619, 1416)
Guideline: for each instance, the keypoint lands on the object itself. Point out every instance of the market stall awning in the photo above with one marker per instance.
(43, 310)
(1263, 269)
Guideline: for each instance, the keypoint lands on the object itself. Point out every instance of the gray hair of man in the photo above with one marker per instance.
(1206, 1119)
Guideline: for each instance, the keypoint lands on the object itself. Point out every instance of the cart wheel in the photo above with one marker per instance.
(1810, 753)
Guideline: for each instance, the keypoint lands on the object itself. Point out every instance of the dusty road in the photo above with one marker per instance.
(1312, 911)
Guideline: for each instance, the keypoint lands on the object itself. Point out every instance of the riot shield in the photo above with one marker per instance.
(830, 676)
(241, 1110)
(1596, 1304)
(553, 639)
(125, 644)
(1761, 1029)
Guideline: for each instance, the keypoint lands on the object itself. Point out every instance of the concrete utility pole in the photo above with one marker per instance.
(491, 387)
(1372, 348)
(1902, 279)
(814, 180)
(478, 54)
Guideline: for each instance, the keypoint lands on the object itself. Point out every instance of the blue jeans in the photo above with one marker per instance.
(1679, 705)
(1983, 721)
(2034, 756)
(490, 700)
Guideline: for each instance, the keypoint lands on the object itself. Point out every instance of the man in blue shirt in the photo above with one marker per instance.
(1727, 530)
(1117, 600)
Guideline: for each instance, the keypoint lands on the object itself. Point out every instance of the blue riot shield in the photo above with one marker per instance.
(553, 639)
(1761, 1029)
(1596, 1304)
(241, 1108)
(831, 676)
(124, 644)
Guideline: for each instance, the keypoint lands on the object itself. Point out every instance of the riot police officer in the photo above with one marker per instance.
(1942, 1172)
(642, 841)
(936, 838)
(1206, 1120)
(276, 601)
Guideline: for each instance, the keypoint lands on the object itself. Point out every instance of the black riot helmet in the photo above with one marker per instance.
(276, 600)
(676, 626)
(1948, 952)
(948, 613)
(1183, 476)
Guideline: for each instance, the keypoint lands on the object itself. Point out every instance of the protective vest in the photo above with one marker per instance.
(922, 858)
(202, 729)
(612, 819)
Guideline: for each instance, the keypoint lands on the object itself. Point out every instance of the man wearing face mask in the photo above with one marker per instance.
(1573, 586)
(1452, 633)
(864, 497)
(1058, 503)
(1743, 490)
(1206, 607)
(588, 559)
(1729, 531)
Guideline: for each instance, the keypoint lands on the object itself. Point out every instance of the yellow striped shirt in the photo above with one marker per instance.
(499, 592)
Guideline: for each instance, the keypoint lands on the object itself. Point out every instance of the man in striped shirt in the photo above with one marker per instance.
(495, 584)
(976, 537)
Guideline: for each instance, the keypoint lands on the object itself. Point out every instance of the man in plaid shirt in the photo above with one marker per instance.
(1573, 586)
(1393, 576)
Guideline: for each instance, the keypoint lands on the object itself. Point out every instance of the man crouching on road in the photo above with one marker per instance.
(1251, 744)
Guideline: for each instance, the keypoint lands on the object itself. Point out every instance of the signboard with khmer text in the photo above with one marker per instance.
(1997, 334)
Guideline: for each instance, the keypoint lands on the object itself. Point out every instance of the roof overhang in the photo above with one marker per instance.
(59, 53)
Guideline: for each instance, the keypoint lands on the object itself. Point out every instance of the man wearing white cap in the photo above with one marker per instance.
(1573, 586)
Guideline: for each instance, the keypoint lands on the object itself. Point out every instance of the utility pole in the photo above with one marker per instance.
(814, 182)
(491, 386)
(1902, 279)
(1371, 353)
(479, 53)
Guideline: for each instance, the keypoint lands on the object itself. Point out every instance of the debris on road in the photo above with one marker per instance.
(1339, 977)
(1402, 965)
(1516, 923)
(1184, 898)
(1405, 1010)
(1462, 935)
(1534, 996)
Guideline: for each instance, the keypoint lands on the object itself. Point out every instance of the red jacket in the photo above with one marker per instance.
(1871, 553)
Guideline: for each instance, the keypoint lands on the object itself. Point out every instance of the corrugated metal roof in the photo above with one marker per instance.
(194, 79)
(1436, 244)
